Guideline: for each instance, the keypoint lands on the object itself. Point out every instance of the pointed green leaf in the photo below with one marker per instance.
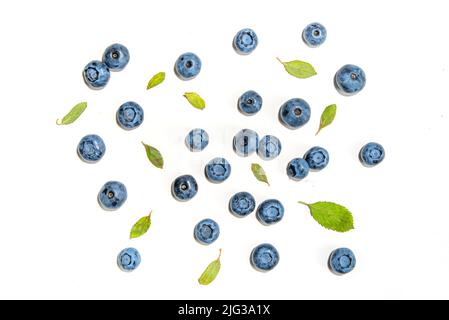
(73, 114)
(157, 79)
(299, 69)
(259, 173)
(154, 156)
(327, 117)
(141, 227)
(331, 215)
(211, 272)
(195, 100)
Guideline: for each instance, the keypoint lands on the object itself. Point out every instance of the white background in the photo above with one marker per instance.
(55, 240)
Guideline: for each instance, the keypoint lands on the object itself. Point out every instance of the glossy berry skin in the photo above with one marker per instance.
(130, 115)
(197, 140)
(317, 158)
(341, 261)
(217, 170)
(91, 148)
(294, 113)
(128, 259)
(96, 74)
(245, 142)
(269, 147)
(112, 195)
(206, 231)
(242, 204)
(349, 80)
(270, 212)
(371, 154)
(297, 169)
(314, 34)
(250, 103)
(245, 41)
(188, 66)
(116, 57)
(184, 188)
(264, 257)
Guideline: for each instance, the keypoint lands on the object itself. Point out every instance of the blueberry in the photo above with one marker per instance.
(96, 74)
(317, 158)
(341, 261)
(206, 231)
(129, 115)
(197, 140)
(91, 148)
(245, 142)
(349, 80)
(294, 113)
(184, 188)
(187, 66)
(245, 41)
(250, 103)
(269, 147)
(217, 170)
(270, 212)
(371, 154)
(116, 57)
(128, 259)
(112, 195)
(297, 169)
(264, 257)
(242, 204)
(314, 34)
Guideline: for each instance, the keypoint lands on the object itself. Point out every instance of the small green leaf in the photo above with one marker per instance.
(211, 272)
(141, 227)
(157, 79)
(259, 173)
(331, 215)
(73, 114)
(299, 69)
(327, 116)
(195, 100)
(154, 156)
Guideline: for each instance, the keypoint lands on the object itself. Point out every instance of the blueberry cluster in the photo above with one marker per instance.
(185, 187)
(315, 159)
(97, 73)
(268, 212)
(293, 114)
(246, 142)
(265, 256)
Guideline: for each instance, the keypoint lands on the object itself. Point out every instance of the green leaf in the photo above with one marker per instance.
(327, 116)
(259, 173)
(157, 79)
(141, 227)
(195, 100)
(299, 69)
(211, 272)
(154, 156)
(331, 215)
(73, 114)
